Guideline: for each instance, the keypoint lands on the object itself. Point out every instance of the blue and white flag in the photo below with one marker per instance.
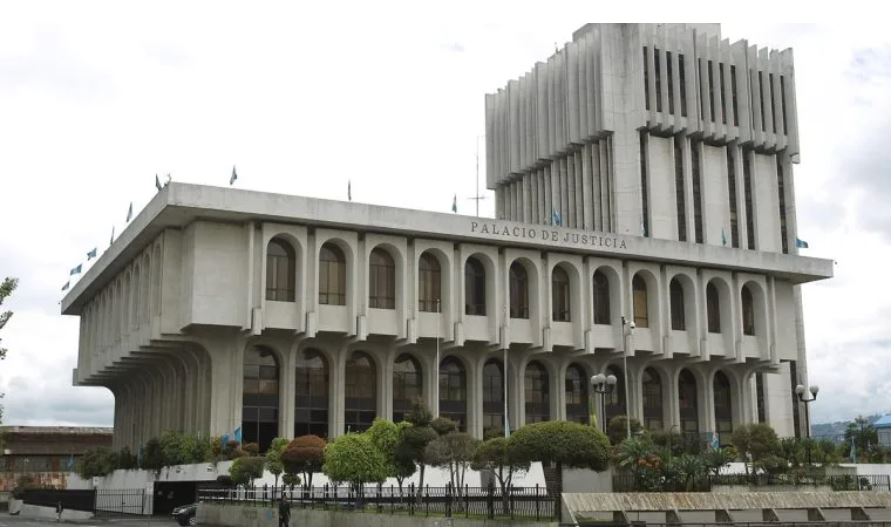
(715, 441)
(557, 218)
(237, 434)
(65, 287)
(233, 176)
(129, 212)
(91, 254)
(801, 244)
(157, 183)
(723, 236)
(76, 270)
(454, 204)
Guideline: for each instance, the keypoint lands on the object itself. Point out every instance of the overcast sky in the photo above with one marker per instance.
(96, 99)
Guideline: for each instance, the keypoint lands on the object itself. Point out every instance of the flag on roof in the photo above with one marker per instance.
(113, 236)
(454, 203)
(801, 243)
(91, 254)
(129, 212)
(76, 270)
(65, 286)
(233, 176)
(157, 183)
(723, 236)
(349, 190)
(557, 218)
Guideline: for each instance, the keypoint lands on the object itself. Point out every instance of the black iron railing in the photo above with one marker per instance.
(471, 502)
(631, 482)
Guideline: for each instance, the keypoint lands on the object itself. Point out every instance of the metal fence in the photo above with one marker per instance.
(629, 482)
(488, 503)
(125, 502)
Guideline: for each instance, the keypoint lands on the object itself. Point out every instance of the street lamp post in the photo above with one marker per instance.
(807, 398)
(603, 385)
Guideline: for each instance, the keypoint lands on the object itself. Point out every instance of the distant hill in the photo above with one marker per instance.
(835, 431)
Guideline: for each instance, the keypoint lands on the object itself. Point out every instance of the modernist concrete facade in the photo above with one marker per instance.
(223, 308)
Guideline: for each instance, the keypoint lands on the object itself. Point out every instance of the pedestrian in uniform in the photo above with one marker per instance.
(285, 510)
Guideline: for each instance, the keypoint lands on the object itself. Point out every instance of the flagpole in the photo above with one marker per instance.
(438, 359)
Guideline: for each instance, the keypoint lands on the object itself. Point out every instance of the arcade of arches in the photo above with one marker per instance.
(653, 399)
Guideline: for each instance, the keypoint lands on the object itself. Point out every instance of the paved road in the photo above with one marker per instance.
(13, 520)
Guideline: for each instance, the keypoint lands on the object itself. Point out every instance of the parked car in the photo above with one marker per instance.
(185, 515)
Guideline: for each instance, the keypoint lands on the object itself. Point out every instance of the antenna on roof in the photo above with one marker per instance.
(477, 197)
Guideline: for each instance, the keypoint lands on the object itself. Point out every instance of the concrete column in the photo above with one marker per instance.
(287, 391)
(474, 402)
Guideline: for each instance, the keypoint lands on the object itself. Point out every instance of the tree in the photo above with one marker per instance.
(97, 462)
(454, 450)
(717, 459)
(443, 425)
(385, 435)
(153, 458)
(563, 442)
(755, 442)
(304, 455)
(251, 449)
(6, 287)
(246, 469)
(863, 435)
(273, 458)
(493, 455)
(353, 458)
(413, 440)
(617, 429)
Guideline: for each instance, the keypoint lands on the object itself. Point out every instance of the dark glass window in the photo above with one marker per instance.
(761, 399)
(280, 271)
(731, 186)
(646, 74)
(670, 81)
(723, 407)
(492, 390)
(772, 103)
(680, 189)
(429, 283)
(784, 114)
(688, 403)
(732, 76)
(332, 275)
(536, 393)
(713, 304)
(644, 179)
(711, 88)
(722, 93)
(407, 385)
(452, 391)
(260, 397)
(760, 80)
(682, 85)
(780, 182)
(475, 288)
(697, 192)
(561, 295)
(678, 306)
(312, 394)
(360, 392)
(616, 401)
(747, 312)
(518, 291)
(640, 302)
(653, 415)
(381, 279)
(749, 207)
(657, 55)
(601, 299)
(577, 406)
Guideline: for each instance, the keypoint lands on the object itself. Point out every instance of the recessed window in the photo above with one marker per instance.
(747, 312)
(601, 299)
(678, 308)
(713, 304)
(518, 291)
(429, 283)
(280, 270)
(381, 279)
(475, 288)
(332, 275)
(536, 393)
(640, 302)
(311, 394)
(452, 390)
(561, 295)
(360, 392)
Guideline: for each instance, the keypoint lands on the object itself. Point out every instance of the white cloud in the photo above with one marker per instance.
(94, 106)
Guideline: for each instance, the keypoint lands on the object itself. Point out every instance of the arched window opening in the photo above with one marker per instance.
(536, 393)
(723, 407)
(407, 385)
(429, 283)
(688, 404)
(713, 304)
(475, 288)
(260, 397)
(333, 275)
(747, 312)
(561, 295)
(640, 302)
(312, 394)
(653, 413)
(280, 271)
(577, 406)
(616, 401)
(601, 299)
(452, 391)
(518, 291)
(493, 397)
(360, 392)
(678, 307)
(381, 279)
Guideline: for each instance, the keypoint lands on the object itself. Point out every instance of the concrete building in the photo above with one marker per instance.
(46, 454)
(642, 171)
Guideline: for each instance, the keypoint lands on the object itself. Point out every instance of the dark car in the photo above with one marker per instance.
(185, 515)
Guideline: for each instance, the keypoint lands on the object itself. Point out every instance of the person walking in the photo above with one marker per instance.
(59, 510)
(285, 510)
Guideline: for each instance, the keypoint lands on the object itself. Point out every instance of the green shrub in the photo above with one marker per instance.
(563, 442)
(97, 462)
(246, 469)
(153, 458)
(353, 458)
(617, 429)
